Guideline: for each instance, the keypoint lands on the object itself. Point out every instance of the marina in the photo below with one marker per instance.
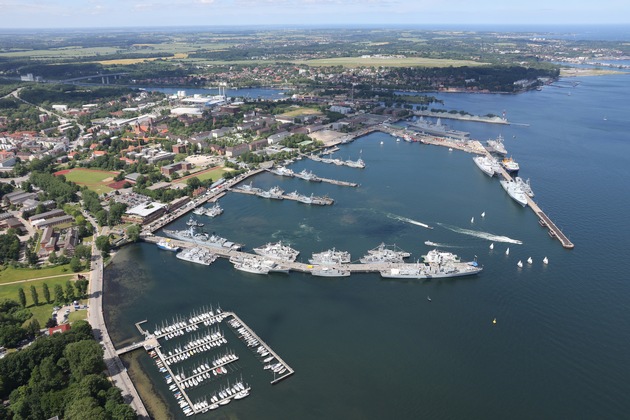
(206, 369)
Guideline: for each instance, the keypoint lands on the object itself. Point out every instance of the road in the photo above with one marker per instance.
(117, 372)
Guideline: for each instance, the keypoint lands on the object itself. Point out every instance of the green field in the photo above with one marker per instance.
(215, 174)
(388, 62)
(94, 179)
(11, 274)
(301, 111)
(43, 311)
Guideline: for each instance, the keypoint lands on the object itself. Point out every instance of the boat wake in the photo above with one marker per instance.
(479, 234)
(439, 245)
(407, 220)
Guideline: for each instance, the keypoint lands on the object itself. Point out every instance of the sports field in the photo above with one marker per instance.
(96, 180)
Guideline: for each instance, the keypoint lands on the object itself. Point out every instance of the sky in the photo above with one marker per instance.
(152, 13)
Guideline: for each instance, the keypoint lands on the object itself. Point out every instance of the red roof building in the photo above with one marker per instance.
(59, 329)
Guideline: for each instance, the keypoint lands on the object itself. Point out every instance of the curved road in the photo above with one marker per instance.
(117, 372)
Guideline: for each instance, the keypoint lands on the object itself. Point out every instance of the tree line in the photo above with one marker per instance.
(61, 375)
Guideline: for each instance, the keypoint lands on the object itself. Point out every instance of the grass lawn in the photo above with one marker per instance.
(302, 111)
(77, 315)
(94, 179)
(214, 173)
(388, 62)
(11, 274)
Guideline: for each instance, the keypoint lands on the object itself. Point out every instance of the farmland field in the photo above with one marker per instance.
(388, 62)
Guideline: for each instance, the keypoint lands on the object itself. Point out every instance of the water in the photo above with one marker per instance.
(368, 348)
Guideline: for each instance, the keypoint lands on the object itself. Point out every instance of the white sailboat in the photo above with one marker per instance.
(492, 245)
(483, 214)
(529, 260)
(472, 220)
(507, 251)
(520, 264)
(546, 260)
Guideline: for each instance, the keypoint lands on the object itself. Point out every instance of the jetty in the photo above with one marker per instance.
(204, 372)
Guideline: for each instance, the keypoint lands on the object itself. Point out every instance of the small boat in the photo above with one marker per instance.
(450, 149)
(492, 245)
(520, 264)
(398, 139)
(494, 321)
(529, 260)
(381, 142)
(472, 220)
(483, 214)
(507, 251)
(545, 260)
(428, 298)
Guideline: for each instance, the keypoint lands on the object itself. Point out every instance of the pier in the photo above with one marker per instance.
(319, 201)
(291, 265)
(554, 231)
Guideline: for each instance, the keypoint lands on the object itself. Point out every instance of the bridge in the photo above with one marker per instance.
(104, 77)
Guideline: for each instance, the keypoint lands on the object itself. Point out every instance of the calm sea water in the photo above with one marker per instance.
(368, 348)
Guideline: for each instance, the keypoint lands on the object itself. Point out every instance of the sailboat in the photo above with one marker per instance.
(472, 220)
(520, 264)
(492, 245)
(546, 260)
(507, 251)
(529, 260)
(428, 298)
(483, 214)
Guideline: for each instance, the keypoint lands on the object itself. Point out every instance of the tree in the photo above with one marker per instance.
(83, 252)
(33, 328)
(22, 297)
(52, 257)
(75, 264)
(193, 183)
(59, 296)
(70, 295)
(11, 335)
(103, 245)
(133, 233)
(46, 292)
(84, 357)
(34, 296)
(81, 286)
(52, 322)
